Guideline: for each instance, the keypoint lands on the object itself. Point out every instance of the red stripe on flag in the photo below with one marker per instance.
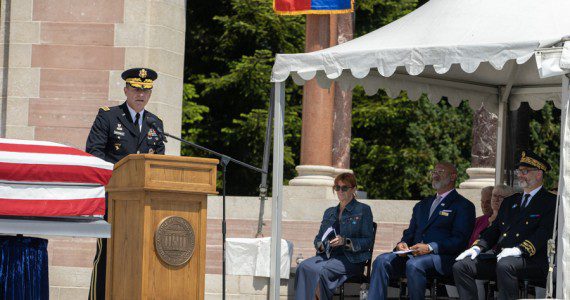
(41, 149)
(43, 208)
(54, 173)
(292, 5)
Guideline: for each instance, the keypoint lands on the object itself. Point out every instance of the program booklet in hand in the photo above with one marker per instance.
(329, 234)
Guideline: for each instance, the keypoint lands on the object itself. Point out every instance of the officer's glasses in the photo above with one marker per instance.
(524, 171)
(343, 188)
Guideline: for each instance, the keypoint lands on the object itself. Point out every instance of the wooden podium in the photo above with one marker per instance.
(157, 211)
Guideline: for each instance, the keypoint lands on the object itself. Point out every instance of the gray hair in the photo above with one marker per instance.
(488, 189)
(505, 190)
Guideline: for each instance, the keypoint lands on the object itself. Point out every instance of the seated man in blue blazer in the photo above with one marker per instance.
(439, 230)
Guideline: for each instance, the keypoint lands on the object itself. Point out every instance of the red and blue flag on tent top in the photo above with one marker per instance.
(309, 7)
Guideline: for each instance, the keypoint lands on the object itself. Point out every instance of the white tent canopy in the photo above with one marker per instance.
(466, 41)
(495, 53)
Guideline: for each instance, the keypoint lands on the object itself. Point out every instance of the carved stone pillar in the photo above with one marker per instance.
(483, 151)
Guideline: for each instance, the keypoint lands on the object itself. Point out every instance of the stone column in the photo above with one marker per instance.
(342, 122)
(318, 104)
(483, 150)
(327, 114)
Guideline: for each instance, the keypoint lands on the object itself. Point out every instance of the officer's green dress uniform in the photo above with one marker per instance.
(527, 228)
(114, 136)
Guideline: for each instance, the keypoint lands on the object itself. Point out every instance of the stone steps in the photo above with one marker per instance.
(69, 282)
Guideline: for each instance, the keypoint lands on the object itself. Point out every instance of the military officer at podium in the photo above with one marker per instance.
(514, 246)
(117, 132)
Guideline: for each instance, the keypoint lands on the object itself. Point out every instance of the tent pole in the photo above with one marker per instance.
(504, 92)
(277, 188)
(501, 138)
(560, 228)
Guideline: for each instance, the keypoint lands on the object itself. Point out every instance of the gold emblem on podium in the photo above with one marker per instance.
(174, 241)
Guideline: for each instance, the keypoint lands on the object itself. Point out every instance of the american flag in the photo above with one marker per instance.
(49, 179)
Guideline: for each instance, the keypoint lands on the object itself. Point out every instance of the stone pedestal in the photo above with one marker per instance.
(479, 178)
(473, 195)
(314, 175)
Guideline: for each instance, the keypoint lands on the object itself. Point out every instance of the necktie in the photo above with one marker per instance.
(525, 200)
(434, 205)
(136, 123)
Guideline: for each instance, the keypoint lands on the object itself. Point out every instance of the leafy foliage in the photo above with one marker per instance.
(397, 141)
(230, 51)
(373, 14)
(545, 140)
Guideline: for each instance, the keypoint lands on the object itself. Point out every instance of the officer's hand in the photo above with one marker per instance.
(514, 252)
(473, 252)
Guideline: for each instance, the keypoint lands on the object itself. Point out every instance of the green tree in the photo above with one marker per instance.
(230, 51)
(397, 141)
(545, 140)
(373, 14)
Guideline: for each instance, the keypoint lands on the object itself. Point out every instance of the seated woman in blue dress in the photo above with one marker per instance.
(343, 244)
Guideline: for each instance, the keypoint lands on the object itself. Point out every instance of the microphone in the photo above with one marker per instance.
(152, 123)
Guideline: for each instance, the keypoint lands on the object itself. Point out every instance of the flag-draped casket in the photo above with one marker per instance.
(49, 179)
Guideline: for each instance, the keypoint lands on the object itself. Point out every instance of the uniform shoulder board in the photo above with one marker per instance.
(105, 108)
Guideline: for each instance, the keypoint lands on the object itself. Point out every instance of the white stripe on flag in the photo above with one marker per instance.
(49, 192)
(11, 182)
(54, 159)
(28, 142)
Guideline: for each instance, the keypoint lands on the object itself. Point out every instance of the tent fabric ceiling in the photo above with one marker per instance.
(460, 49)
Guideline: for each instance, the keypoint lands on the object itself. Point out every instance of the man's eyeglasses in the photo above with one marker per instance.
(438, 172)
(343, 188)
(524, 171)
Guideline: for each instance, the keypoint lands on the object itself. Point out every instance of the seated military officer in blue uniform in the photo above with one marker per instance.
(117, 132)
(514, 246)
(439, 230)
(343, 244)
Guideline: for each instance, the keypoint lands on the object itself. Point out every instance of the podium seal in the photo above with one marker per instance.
(174, 241)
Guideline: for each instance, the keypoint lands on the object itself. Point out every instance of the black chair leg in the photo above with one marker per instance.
(525, 289)
(342, 291)
(489, 291)
(402, 290)
(434, 289)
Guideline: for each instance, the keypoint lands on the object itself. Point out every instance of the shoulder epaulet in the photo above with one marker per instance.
(105, 108)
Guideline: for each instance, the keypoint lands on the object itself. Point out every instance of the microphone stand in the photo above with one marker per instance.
(224, 161)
